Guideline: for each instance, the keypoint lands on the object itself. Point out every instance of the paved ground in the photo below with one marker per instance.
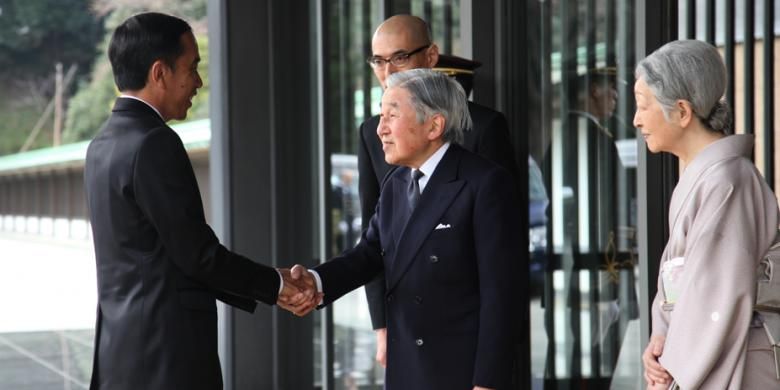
(48, 300)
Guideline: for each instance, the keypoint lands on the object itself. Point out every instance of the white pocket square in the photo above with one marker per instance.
(442, 226)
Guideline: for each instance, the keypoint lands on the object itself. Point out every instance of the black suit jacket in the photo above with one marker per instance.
(489, 138)
(159, 265)
(452, 275)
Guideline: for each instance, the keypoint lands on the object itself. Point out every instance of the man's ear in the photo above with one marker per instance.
(437, 127)
(432, 55)
(157, 73)
(683, 112)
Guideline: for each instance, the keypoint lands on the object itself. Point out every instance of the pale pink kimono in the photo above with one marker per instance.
(722, 219)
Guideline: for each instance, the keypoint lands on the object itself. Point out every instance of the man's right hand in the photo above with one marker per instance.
(299, 294)
(655, 373)
(381, 346)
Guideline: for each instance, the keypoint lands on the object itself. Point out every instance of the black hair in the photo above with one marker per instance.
(140, 41)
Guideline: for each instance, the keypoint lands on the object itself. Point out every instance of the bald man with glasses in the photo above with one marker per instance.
(400, 43)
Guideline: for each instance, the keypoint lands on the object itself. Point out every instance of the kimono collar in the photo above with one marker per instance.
(726, 148)
(723, 149)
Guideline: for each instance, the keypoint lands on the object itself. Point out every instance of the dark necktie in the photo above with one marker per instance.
(414, 189)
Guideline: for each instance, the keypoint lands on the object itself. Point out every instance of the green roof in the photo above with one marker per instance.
(194, 135)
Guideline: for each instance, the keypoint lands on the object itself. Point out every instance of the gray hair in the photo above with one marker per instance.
(435, 93)
(692, 71)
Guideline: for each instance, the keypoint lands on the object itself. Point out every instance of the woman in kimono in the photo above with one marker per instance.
(722, 220)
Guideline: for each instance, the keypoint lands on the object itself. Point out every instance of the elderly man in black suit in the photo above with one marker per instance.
(403, 42)
(445, 234)
(160, 267)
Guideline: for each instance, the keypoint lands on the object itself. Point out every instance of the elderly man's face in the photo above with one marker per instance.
(387, 44)
(405, 141)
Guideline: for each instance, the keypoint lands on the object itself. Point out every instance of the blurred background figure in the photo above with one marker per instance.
(598, 95)
(346, 209)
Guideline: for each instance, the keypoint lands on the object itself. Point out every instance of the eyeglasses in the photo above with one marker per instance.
(398, 59)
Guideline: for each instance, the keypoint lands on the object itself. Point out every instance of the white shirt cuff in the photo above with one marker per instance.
(281, 282)
(317, 279)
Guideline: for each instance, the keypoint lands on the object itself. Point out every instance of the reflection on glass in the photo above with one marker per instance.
(354, 343)
(354, 97)
(345, 203)
(585, 319)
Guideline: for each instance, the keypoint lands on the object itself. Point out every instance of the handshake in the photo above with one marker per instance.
(300, 294)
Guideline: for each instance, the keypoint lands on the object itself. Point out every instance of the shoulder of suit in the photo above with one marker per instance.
(476, 108)
(159, 139)
(131, 124)
(164, 132)
(484, 117)
(473, 163)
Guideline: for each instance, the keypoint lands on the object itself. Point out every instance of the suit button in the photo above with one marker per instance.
(419, 342)
(434, 259)
(390, 298)
(418, 299)
(382, 253)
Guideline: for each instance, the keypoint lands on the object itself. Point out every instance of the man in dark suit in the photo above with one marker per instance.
(445, 234)
(400, 43)
(159, 265)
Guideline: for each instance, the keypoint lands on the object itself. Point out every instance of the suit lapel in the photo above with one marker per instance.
(400, 203)
(442, 188)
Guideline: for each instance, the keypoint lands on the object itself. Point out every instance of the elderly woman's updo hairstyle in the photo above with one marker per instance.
(692, 71)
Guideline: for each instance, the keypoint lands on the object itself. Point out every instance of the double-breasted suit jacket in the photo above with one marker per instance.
(489, 138)
(451, 274)
(159, 265)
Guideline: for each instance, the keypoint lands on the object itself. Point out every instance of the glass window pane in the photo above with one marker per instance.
(582, 193)
(443, 17)
(353, 96)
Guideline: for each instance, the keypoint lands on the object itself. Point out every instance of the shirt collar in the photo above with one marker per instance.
(144, 102)
(429, 166)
